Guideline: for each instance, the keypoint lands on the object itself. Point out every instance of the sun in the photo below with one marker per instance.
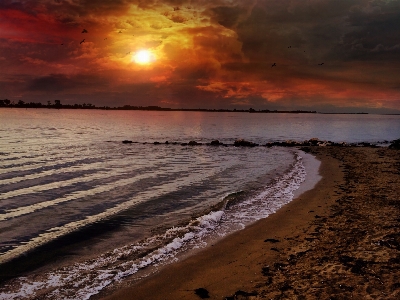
(143, 57)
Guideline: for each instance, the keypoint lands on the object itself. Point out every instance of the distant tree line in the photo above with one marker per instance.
(57, 105)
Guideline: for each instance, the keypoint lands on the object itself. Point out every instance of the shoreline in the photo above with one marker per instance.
(42, 271)
(166, 109)
(306, 250)
(228, 255)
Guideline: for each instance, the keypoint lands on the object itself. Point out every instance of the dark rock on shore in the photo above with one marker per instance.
(310, 142)
(365, 144)
(216, 143)
(319, 143)
(395, 144)
(271, 241)
(202, 293)
(244, 143)
(314, 142)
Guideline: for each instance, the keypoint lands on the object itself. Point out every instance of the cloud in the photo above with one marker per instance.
(227, 16)
(375, 32)
(60, 82)
(215, 53)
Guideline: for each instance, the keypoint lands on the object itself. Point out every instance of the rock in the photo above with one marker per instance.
(290, 143)
(194, 143)
(285, 287)
(366, 144)
(156, 143)
(271, 241)
(280, 266)
(216, 143)
(126, 142)
(266, 271)
(244, 143)
(314, 141)
(395, 144)
(202, 293)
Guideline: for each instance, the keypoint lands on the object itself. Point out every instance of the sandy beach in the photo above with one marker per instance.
(340, 240)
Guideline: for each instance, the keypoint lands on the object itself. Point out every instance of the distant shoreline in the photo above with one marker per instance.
(58, 105)
(158, 108)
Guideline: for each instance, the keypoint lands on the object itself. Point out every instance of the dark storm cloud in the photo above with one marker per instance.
(62, 82)
(83, 7)
(227, 16)
(334, 29)
(376, 33)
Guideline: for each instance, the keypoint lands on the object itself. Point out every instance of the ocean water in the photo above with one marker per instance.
(81, 212)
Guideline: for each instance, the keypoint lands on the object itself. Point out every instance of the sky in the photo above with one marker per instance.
(324, 55)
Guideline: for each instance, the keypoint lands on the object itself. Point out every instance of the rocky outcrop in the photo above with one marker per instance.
(395, 144)
(216, 143)
(288, 143)
(244, 143)
(310, 142)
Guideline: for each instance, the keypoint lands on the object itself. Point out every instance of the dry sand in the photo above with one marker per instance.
(340, 240)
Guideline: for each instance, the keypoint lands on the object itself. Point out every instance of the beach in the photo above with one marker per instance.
(340, 240)
(105, 215)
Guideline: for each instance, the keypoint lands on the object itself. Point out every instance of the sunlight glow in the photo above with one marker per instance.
(143, 57)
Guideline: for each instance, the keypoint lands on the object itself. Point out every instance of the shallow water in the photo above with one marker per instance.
(90, 211)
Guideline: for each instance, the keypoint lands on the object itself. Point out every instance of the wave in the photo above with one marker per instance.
(234, 212)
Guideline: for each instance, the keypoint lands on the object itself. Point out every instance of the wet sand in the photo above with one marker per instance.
(340, 240)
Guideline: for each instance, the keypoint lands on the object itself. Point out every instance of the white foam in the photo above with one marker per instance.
(311, 164)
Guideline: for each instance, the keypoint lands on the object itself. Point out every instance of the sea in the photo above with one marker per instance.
(82, 213)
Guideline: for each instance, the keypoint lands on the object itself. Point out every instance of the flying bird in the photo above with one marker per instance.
(320, 64)
(120, 31)
(273, 65)
(82, 41)
(84, 31)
